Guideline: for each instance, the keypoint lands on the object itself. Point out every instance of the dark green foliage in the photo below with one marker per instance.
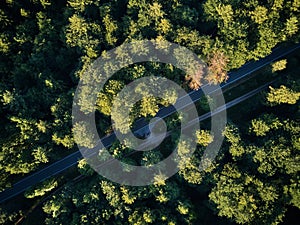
(45, 48)
(262, 179)
(41, 189)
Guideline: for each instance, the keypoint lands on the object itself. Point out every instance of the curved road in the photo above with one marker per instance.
(73, 158)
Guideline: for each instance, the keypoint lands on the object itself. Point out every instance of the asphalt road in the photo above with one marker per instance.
(205, 116)
(72, 159)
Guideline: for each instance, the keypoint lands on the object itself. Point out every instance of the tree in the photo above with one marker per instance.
(110, 25)
(106, 97)
(279, 65)
(269, 24)
(41, 189)
(8, 217)
(259, 15)
(47, 46)
(293, 191)
(53, 207)
(84, 168)
(148, 106)
(217, 66)
(79, 5)
(193, 68)
(204, 137)
(264, 124)
(292, 26)
(194, 81)
(282, 95)
(85, 35)
(189, 164)
(247, 189)
(246, 199)
(83, 136)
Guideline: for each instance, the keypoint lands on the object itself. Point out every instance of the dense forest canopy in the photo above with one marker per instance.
(47, 45)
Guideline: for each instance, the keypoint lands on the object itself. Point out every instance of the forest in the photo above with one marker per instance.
(47, 45)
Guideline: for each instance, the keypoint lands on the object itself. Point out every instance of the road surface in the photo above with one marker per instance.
(72, 159)
(150, 140)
